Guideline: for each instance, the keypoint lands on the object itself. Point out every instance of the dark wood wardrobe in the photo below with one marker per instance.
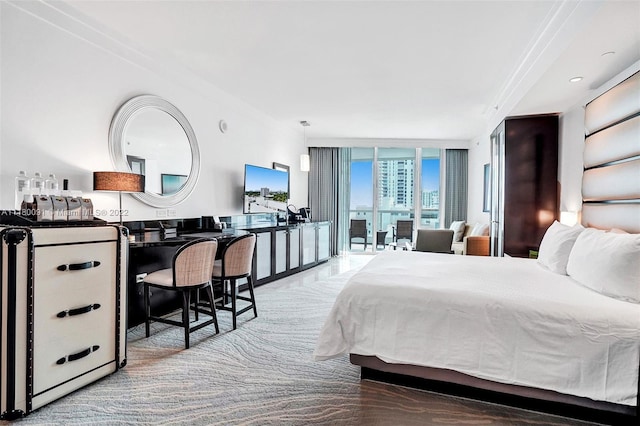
(524, 183)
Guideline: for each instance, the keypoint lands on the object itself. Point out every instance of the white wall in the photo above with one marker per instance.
(479, 155)
(61, 84)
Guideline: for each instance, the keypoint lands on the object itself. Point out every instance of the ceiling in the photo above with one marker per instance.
(386, 69)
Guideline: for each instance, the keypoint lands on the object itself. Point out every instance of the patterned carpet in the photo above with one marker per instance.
(262, 373)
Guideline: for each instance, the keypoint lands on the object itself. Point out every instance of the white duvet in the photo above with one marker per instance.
(503, 319)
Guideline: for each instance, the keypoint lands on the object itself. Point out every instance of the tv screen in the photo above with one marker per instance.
(172, 183)
(265, 190)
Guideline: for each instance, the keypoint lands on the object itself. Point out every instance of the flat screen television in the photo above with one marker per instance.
(172, 183)
(265, 190)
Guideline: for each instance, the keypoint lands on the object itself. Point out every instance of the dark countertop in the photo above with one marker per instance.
(151, 239)
(279, 226)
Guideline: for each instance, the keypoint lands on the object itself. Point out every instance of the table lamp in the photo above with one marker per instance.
(118, 181)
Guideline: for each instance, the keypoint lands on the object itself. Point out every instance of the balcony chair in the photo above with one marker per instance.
(358, 229)
(236, 263)
(403, 231)
(192, 267)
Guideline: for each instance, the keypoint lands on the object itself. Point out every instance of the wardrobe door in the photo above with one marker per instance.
(524, 191)
(497, 191)
(530, 182)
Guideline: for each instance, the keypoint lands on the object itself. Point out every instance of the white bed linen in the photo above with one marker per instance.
(503, 319)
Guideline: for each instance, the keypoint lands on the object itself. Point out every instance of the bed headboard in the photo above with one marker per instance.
(611, 178)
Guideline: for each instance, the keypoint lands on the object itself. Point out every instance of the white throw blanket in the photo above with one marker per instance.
(507, 320)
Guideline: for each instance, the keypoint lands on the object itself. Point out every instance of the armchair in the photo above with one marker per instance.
(434, 240)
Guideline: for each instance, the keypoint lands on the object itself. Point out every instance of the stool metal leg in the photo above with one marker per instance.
(147, 309)
(232, 283)
(253, 298)
(186, 305)
(213, 307)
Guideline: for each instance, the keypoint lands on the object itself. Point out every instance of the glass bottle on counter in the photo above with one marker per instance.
(23, 183)
(51, 185)
(37, 184)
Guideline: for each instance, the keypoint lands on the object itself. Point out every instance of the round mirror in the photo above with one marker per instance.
(150, 136)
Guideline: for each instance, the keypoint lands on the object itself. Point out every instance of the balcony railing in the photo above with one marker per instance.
(387, 218)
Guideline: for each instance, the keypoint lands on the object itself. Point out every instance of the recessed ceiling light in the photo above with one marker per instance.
(611, 52)
(575, 79)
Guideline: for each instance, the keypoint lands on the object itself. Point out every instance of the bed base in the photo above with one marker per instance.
(460, 384)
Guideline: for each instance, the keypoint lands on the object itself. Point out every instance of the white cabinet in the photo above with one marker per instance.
(263, 255)
(281, 250)
(309, 244)
(324, 237)
(63, 298)
(294, 248)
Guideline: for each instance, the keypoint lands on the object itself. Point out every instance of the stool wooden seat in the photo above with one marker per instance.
(192, 268)
(236, 263)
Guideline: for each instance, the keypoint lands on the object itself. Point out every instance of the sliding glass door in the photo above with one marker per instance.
(395, 191)
(430, 189)
(388, 185)
(361, 198)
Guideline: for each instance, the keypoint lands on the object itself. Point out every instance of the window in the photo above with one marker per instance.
(391, 184)
(430, 189)
(396, 188)
(361, 190)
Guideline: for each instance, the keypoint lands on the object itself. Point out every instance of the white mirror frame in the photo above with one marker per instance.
(119, 124)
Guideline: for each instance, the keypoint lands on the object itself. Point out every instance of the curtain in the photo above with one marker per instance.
(328, 191)
(456, 181)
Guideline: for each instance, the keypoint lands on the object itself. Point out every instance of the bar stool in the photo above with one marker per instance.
(192, 268)
(236, 263)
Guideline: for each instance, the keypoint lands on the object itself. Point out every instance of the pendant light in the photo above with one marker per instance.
(305, 162)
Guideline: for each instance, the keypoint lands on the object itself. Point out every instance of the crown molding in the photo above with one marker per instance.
(389, 142)
(66, 18)
(553, 36)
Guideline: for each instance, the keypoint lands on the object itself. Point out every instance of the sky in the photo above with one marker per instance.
(362, 185)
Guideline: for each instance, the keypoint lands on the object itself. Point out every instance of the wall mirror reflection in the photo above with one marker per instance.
(150, 136)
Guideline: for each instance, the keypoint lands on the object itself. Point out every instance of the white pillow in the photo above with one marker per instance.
(458, 230)
(479, 230)
(608, 263)
(556, 246)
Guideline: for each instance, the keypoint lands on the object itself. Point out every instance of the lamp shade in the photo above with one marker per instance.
(569, 218)
(305, 163)
(118, 181)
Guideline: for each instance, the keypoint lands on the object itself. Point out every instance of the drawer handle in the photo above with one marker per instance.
(78, 311)
(78, 355)
(79, 266)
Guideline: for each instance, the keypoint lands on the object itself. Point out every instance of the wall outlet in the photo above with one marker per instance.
(140, 277)
(161, 213)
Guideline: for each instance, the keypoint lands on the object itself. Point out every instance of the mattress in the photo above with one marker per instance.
(509, 320)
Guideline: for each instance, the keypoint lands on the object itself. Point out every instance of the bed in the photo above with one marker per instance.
(563, 328)
(504, 324)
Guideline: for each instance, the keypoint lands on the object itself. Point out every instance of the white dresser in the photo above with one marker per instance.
(63, 311)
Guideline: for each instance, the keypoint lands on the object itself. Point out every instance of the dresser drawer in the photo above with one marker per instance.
(62, 272)
(74, 312)
(50, 328)
(55, 362)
